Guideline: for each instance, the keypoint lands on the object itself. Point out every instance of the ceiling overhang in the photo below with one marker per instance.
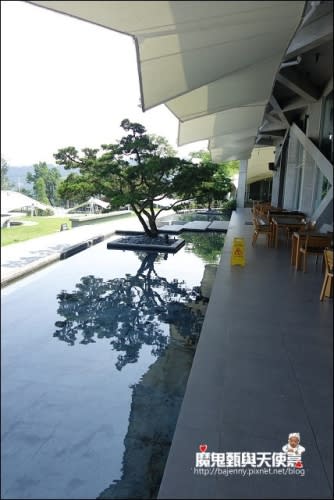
(257, 168)
(240, 88)
(232, 121)
(212, 63)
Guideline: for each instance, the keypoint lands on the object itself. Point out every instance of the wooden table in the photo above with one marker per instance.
(296, 240)
(280, 222)
(272, 212)
(299, 238)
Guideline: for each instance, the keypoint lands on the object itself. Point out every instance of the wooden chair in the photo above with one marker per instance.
(313, 245)
(309, 227)
(328, 279)
(262, 226)
(261, 208)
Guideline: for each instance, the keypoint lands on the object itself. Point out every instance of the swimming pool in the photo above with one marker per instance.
(96, 352)
(194, 215)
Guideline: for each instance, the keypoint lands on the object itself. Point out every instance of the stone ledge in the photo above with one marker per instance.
(29, 269)
(81, 220)
(11, 276)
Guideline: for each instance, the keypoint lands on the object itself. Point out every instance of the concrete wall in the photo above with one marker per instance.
(83, 220)
(275, 188)
(276, 180)
(314, 121)
(309, 185)
(291, 175)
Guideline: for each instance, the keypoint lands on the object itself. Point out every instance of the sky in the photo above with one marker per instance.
(66, 82)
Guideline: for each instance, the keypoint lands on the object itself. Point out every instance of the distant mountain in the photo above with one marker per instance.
(18, 175)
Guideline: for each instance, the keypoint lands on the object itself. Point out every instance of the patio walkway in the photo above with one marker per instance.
(262, 369)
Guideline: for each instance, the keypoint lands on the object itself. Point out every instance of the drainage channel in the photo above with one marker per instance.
(79, 247)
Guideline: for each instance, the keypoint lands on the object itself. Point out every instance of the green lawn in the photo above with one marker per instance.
(44, 226)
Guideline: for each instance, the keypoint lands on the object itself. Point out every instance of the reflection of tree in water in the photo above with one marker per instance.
(156, 403)
(208, 246)
(129, 311)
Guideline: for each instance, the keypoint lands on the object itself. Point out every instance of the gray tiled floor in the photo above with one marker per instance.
(262, 369)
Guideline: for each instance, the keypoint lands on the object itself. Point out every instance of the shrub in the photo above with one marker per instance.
(230, 205)
(42, 213)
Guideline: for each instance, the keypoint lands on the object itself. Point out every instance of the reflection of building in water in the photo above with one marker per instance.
(156, 403)
(208, 280)
(155, 407)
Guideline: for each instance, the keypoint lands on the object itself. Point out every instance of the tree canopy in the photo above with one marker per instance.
(164, 148)
(45, 182)
(219, 184)
(229, 168)
(40, 191)
(216, 188)
(5, 183)
(137, 171)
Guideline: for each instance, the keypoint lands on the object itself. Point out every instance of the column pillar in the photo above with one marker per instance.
(241, 191)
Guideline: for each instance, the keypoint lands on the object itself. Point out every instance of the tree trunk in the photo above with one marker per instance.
(150, 229)
(153, 226)
(152, 220)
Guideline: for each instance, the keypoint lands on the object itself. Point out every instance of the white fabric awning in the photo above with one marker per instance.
(184, 45)
(248, 86)
(219, 155)
(201, 58)
(233, 121)
(221, 141)
(237, 146)
(258, 164)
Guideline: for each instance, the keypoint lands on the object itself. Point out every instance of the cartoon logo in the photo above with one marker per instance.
(294, 451)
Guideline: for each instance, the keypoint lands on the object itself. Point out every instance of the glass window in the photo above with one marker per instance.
(326, 132)
(322, 188)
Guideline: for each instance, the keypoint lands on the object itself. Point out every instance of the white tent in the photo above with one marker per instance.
(165, 202)
(90, 203)
(13, 200)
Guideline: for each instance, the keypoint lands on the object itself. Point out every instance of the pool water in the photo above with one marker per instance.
(192, 215)
(96, 352)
